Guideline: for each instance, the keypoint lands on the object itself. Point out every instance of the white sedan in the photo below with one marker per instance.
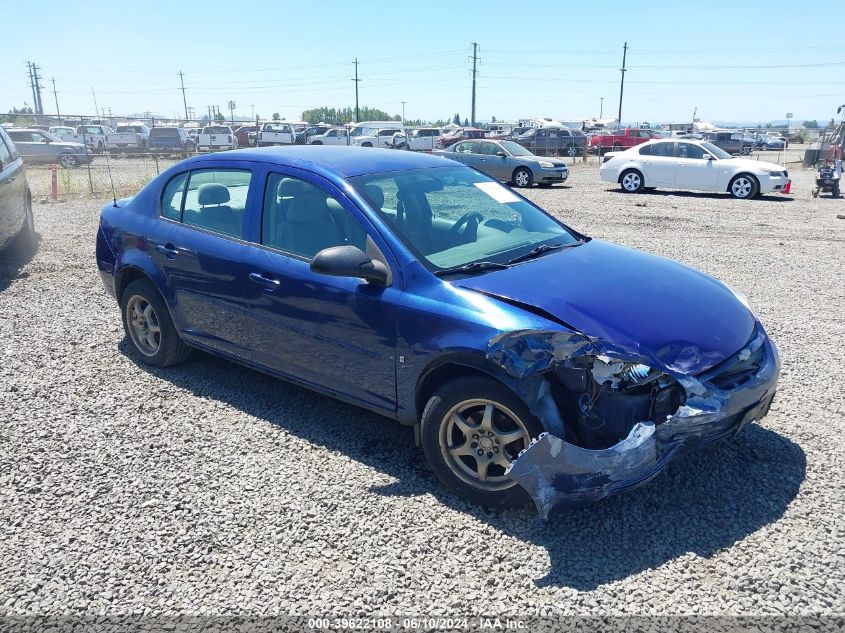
(692, 165)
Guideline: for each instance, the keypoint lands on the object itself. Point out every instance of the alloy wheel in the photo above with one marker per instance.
(631, 181)
(144, 326)
(742, 187)
(479, 439)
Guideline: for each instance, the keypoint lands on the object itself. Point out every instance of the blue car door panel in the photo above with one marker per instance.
(337, 333)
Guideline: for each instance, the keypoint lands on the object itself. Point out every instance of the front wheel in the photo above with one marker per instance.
(522, 177)
(743, 186)
(631, 181)
(472, 429)
(147, 323)
(571, 151)
(68, 161)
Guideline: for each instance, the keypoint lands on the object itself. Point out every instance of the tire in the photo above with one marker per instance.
(68, 161)
(522, 177)
(746, 151)
(26, 236)
(835, 190)
(616, 147)
(316, 142)
(743, 186)
(367, 144)
(572, 151)
(138, 323)
(631, 181)
(452, 414)
(100, 148)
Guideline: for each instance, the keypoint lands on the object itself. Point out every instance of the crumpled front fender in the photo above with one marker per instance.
(559, 475)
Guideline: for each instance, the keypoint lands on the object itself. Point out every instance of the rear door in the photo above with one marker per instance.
(31, 145)
(659, 163)
(199, 246)
(12, 186)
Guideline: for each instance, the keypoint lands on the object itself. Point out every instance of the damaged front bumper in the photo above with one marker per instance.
(560, 475)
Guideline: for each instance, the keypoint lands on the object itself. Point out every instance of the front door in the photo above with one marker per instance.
(201, 251)
(336, 333)
(694, 171)
(11, 190)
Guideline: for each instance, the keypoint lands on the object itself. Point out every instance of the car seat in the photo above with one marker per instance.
(214, 213)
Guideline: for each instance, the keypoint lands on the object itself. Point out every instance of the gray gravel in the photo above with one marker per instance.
(210, 488)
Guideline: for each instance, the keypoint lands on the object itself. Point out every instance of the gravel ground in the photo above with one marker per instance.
(210, 488)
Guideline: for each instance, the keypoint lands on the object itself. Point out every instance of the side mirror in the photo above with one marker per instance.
(349, 261)
(502, 154)
(708, 157)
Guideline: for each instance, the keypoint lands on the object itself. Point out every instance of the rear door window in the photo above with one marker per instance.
(663, 149)
(214, 199)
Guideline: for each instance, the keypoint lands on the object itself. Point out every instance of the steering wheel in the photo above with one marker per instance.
(473, 217)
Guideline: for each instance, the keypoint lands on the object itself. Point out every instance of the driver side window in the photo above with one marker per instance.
(302, 219)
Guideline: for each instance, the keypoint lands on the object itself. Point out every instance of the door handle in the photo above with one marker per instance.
(270, 285)
(168, 249)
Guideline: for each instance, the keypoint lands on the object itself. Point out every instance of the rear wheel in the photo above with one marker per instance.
(367, 144)
(522, 177)
(472, 429)
(631, 181)
(743, 186)
(26, 236)
(147, 323)
(617, 146)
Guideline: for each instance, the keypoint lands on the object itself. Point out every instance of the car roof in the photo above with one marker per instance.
(343, 160)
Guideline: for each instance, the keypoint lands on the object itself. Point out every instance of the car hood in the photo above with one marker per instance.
(537, 159)
(673, 314)
(755, 165)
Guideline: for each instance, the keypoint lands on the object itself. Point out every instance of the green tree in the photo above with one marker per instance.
(276, 116)
(466, 122)
(492, 119)
(456, 119)
(219, 118)
(811, 125)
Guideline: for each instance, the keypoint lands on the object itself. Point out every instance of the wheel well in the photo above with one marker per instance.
(526, 168)
(126, 277)
(442, 374)
(744, 173)
(626, 170)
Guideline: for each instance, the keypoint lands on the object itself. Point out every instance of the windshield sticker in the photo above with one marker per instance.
(497, 192)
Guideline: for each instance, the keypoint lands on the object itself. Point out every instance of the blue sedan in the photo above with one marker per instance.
(533, 361)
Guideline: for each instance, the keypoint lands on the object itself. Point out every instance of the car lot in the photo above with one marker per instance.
(209, 487)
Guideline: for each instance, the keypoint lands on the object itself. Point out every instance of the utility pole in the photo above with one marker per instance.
(356, 80)
(601, 107)
(96, 108)
(474, 73)
(29, 66)
(403, 113)
(252, 110)
(694, 112)
(56, 97)
(184, 100)
(622, 83)
(36, 87)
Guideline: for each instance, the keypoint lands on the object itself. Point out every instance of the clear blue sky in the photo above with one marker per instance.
(536, 58)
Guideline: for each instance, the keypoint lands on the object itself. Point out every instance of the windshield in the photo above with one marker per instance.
(452, 216)
(515, 149)
(216, 130)
(716, 151)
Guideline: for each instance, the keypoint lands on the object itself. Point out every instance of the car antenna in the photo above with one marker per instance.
(111, 180)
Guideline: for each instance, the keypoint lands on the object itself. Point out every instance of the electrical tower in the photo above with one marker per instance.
(35, 82)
